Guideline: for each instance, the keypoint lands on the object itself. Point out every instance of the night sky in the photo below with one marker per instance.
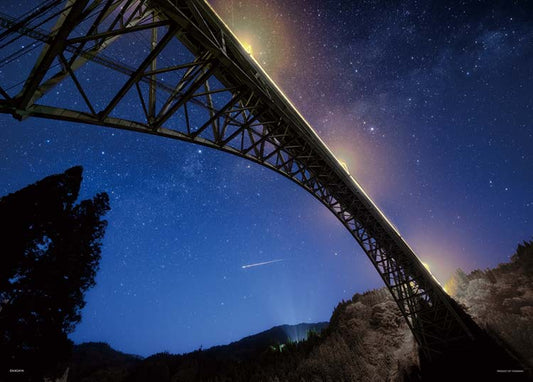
(428, 103)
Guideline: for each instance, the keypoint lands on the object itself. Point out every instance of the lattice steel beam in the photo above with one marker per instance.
(66, 22)
(245, 114)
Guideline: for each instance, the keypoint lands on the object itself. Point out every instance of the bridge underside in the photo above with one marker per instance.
(185, 76)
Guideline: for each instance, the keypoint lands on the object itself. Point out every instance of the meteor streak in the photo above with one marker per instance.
(263, 263)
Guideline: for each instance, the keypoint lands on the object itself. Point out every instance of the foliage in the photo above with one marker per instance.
(367, 339)
(501, 300)
(50, 257)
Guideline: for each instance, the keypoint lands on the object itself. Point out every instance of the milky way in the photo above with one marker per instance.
(429, 106)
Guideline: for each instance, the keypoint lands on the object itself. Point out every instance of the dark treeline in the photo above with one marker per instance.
(367, 339)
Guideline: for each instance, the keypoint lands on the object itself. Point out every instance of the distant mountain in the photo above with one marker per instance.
(250, 346)
(97, 361)
(367, 338)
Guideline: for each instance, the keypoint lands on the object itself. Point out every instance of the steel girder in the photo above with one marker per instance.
(224, 100)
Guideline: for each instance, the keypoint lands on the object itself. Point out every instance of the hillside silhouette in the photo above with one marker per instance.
(367, 338)
(97, 361)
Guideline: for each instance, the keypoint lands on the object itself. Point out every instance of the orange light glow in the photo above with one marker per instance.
(262, 27)
(344, 165)
(247, 47)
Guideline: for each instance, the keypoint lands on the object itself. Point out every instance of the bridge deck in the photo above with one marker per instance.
(223, 100)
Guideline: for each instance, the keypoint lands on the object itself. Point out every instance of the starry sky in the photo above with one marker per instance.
(430, 105)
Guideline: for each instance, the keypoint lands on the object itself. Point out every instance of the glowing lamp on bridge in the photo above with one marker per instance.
(247, 47)
(344, 165)
(426, 265)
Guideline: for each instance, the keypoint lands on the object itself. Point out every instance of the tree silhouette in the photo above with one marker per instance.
(50, 255)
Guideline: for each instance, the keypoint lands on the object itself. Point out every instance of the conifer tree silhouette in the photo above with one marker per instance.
(50, 252)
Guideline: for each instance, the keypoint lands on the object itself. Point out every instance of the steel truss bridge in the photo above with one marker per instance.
(192, 80)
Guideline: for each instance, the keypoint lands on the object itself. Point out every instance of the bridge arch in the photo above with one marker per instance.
(222, 99)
